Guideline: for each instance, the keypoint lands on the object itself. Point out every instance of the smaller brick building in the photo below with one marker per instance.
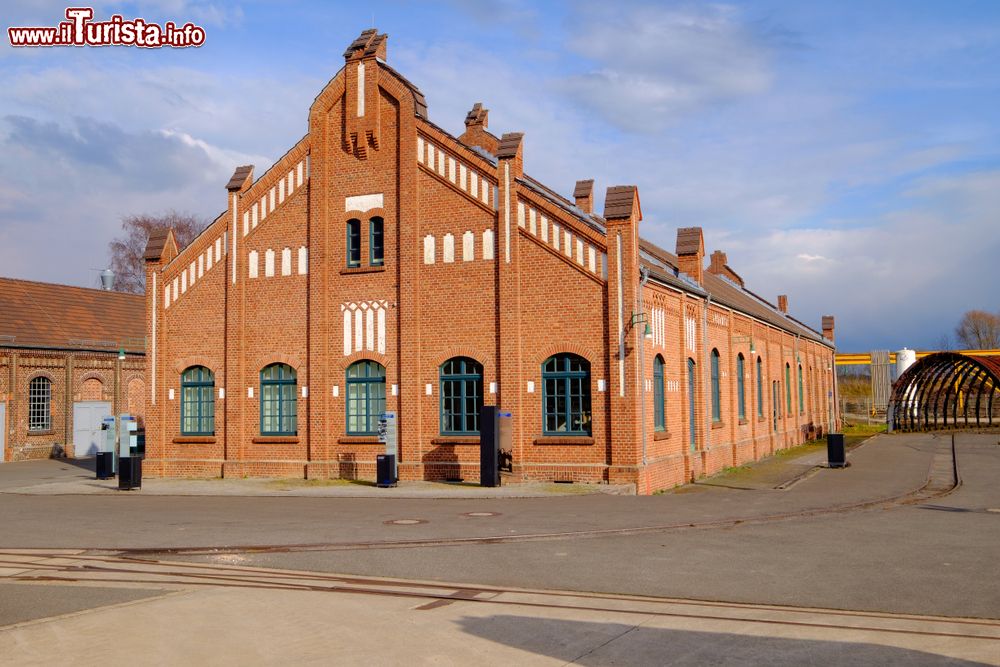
(60, 366)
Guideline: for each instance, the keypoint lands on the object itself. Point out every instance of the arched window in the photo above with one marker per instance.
(760, 389)
(278, 400)
(691, 388)
(659, 401)
(376, 246)
(802, 398)
(40, 404)
(566, 395)
(716, 394)
(365, 397)
(788, 389)
(741, 399)
(353, 243)
(461, 396)
(197, 401)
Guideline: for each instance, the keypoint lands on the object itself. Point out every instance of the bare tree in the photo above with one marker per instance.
(126, 251)
(979, 330)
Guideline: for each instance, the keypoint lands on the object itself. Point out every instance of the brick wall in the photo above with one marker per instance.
(531, 295)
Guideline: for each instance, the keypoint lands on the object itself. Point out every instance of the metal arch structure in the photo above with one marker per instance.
(947, 390)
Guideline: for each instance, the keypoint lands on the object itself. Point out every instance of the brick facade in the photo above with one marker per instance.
(481, 262)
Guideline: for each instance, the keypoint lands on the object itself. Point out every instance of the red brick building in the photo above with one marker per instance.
(383, 264)
(69, 356)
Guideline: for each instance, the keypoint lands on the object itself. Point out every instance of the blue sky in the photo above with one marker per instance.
(846, 154)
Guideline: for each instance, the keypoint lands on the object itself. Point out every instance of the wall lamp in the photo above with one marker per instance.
(640, 318)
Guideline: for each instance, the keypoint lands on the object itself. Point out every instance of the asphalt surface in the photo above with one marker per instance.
(935, 557)
(885, 468)
(27, 602)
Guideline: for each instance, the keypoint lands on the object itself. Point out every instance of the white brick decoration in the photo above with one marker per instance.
(246, 223)
(420, 150)
(579, 252)
(555, 236)
(364, 203)
(488, 244)
(184, 282)
(463, 177)
(286, 261)
(253, 264)
(303, 260)
(591, 259)
(281, 191)
(451, 169)
(269, 263)
(429, 249)
(568, 242)
(448, 248)
(468, 246)
(474, 184)
(201, 266)
(520, 215)
(545, 229)
(347, 332)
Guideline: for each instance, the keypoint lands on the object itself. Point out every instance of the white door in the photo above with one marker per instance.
(3, 431)
(88, 439)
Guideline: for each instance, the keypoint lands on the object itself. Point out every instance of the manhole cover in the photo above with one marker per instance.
(404, 522)
(481, 514)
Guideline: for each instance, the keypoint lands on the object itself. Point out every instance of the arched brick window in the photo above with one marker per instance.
(197, 401)
(40, 404)
(278, 400)
(566, 395)
(365, 397)
(659, 397)
(461, 396)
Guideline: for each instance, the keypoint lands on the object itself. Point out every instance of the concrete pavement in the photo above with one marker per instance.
(234, 615)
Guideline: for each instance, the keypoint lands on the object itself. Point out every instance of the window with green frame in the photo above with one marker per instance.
(376, 246)
(802, 397)
(353, 243)
(716, 393)
(659, 397)
(365, 397)
(197, 401)
(741, 398)
(566, 395)
(760, 388)
(278, 400)
(461, 396)
(788, 389)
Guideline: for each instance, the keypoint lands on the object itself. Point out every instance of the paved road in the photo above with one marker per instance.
(882, 469)
(935, 556)
(195, 614)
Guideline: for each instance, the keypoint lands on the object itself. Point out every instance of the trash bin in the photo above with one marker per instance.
(835, 454)
(105, 465)
(129, 473)
(385, 465)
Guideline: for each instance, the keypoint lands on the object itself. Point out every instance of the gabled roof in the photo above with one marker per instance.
(663, 266)
(43, 315)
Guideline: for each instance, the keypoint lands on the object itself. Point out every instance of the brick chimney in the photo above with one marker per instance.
(828, 327)
(476, 122)
(783, 303)
(718, 264)
(584, 195)
(691, 253)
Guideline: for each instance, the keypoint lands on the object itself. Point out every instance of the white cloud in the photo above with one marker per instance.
(655, 63)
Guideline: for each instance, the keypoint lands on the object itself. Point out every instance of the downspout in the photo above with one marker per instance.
(641, 371)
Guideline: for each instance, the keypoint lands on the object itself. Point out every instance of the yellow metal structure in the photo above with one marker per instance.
(865, 359)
